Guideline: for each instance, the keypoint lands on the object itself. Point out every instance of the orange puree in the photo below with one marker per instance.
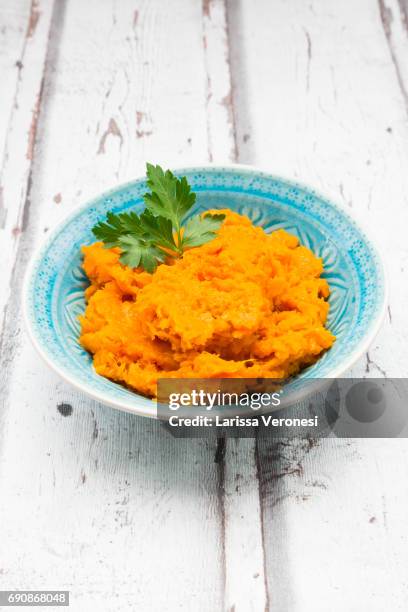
(247, 304)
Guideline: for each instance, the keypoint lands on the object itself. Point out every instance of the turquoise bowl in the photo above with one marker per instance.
(55, 283)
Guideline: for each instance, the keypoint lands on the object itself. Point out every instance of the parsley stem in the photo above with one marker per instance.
(179, 240)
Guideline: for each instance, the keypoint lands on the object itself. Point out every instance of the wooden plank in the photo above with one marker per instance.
(318, 98)
(244, 572)
(13, 30)
(394, 20)
(221, 127)
(24, 38)
(333, 524)
(120, 513)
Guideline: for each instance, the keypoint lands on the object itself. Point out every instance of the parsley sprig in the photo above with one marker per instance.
(161, 230)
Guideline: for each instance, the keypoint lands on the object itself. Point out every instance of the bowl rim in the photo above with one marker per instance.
(246, 168)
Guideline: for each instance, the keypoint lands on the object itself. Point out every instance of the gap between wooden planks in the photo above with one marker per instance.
(242, 520)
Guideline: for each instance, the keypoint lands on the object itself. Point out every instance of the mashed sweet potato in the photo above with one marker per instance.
(247, 304)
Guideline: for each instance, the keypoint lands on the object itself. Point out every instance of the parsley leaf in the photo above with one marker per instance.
(199, 230)
(159, 231)
(116, 226)
(138, 252)
(109, 232)
(171, 197)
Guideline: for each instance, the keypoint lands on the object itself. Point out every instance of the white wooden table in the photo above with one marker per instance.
(110, 506)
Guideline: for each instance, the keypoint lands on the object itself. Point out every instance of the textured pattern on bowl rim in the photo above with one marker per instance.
(52, 325)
